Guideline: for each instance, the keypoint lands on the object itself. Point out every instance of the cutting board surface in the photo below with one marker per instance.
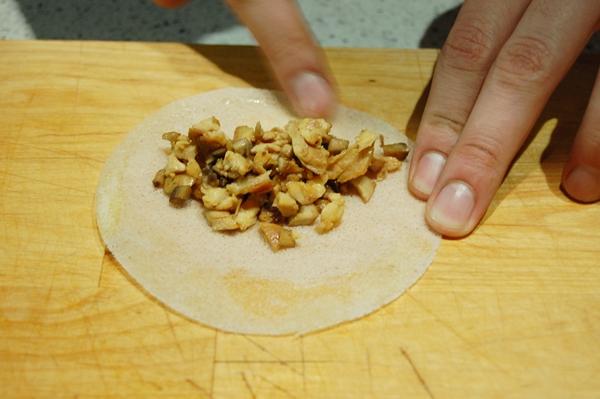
(511, 311)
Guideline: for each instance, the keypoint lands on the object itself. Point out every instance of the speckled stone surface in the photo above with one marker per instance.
(342, 23)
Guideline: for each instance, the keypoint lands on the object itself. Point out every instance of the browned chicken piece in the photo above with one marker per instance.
(286, 150)
(219, 199)
(286, 204)
(314, 159)
(364, 187)
(305, 193)
(242, 146)
(366, 139)
(221, 220)
(234, 165)
(332, 213)
(247, 214)
(359, 167)
(354, 161)
(277, 236)
(203, 127)
(174, 165)
(247, 217)
(314, 130)
(306, 216)
(244, 132)
(381, 166)
(265, 147)
(288, 167)
(251, 184)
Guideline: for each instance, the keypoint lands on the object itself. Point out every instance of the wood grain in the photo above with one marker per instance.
(512, 311)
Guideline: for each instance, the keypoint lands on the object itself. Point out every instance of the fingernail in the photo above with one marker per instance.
(313, 94)
(583, 183)
(428, 171)
(453, 206)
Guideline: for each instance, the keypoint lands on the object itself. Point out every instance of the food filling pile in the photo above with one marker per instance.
(291, 176)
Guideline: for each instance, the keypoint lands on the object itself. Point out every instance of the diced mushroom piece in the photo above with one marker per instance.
(184, 150)
(314, 130)
(234, 165)
(270, 215)
(397, 150)
(242, 146)
(184, 180)
(377, 164)
(172, 137)
(251, 184)
(169, 185)
(244, 132)
(174, 165)
(277, 236)
(159, 179)
(364, 187)
(193, 169)
(221, 221)
(180, 195)
(305, 216)
(337, 145)
(305, 193)
(219, 199)
(203, 127)
(314, 159)
(286, 204)
(331, 215)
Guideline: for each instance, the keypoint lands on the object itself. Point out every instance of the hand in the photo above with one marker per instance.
(297, 61)
(501, 62)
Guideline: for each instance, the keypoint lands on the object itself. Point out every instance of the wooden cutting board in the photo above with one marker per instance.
(511, 311)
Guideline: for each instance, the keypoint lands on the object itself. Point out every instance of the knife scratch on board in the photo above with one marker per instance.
(419, 376)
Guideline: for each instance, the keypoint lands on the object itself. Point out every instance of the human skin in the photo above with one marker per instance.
(500, 63)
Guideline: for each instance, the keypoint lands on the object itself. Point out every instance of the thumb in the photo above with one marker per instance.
(296, 59)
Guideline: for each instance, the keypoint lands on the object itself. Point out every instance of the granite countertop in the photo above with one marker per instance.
(344, 23)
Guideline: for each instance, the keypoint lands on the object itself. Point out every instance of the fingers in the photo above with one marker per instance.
(297, 61)
(526, 71)
(481, 29)
(581, 175)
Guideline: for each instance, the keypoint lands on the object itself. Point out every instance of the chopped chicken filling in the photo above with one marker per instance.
(294, 176)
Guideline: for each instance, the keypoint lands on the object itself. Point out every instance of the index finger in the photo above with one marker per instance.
(297, 61)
